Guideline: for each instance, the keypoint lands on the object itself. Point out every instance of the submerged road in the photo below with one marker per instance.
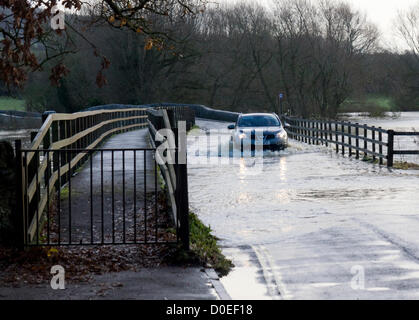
(307, 223)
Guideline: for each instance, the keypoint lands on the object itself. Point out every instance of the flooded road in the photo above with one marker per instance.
(307, 223)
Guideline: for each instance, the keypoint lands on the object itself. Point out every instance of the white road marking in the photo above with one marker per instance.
(272, 277)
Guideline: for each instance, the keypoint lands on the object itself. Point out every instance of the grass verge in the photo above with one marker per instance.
(205, 246)
(204, 249)
(403, 165)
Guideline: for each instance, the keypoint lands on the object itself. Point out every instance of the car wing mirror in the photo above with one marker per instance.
(231, 126)
(287, 125)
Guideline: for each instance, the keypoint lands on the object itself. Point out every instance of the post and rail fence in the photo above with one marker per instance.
(349, 138)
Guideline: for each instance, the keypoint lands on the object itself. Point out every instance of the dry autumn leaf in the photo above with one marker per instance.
(149, 44)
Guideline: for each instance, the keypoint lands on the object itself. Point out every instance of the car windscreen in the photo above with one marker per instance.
(258, 121)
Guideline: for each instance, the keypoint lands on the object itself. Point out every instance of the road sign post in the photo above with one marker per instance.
(280, 97)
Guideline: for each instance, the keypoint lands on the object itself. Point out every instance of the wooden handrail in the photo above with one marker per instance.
(63, 143)
(63, 170)
(89, 129)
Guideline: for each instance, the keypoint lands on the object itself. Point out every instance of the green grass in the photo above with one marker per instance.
(205, 246)
(195, 127)
(402, 165)
(64, 193)
(375, 106)
(12, 104)
(204, 249)
(405, 165)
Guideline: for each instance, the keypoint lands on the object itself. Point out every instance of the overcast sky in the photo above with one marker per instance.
(381, 12)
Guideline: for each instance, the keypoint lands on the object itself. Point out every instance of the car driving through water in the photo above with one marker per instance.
(259, 129)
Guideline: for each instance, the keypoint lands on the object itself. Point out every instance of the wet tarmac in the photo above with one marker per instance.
(307, 223)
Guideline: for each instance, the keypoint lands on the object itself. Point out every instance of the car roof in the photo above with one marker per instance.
(257, 114)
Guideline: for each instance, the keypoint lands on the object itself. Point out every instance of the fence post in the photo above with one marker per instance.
(365, 141)
(63, 158)
(373, 144)
(317, 134)
(380, 147)
(19, 215)
(299, 130)
(310, 132)
(390, 148)
(343, 138)
(330, 133)
(357, 140)
(172, 117)
(326, 133)
(336, 137)
(33, 167)
(350, 138)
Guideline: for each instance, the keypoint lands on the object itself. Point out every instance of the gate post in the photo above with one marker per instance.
(19, 214)
(182, 199)
(183, 205)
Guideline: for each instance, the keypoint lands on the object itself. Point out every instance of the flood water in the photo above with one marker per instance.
(12, 135)
(347, 211)
(401, 121)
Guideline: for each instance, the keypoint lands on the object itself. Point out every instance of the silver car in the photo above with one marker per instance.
(259, 129)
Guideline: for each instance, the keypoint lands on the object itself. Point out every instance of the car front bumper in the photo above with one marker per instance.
(273, 144)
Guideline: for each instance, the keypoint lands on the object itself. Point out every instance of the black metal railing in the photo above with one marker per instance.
(116, 201)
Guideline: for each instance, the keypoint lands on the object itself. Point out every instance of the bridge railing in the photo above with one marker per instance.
(40, 171)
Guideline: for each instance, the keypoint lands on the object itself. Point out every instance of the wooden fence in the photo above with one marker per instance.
(349, 138)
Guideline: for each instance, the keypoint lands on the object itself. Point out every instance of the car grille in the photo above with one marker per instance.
(269, 136)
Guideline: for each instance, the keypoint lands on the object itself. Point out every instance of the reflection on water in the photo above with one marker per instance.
(260, 199)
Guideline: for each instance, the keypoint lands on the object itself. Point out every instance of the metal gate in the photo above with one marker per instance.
(93, 197)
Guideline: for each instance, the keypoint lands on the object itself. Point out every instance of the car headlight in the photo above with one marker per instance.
(281, 135)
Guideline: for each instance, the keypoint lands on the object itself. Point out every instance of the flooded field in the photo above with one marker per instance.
(12, 135)
(297, 222)
(401, 121)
